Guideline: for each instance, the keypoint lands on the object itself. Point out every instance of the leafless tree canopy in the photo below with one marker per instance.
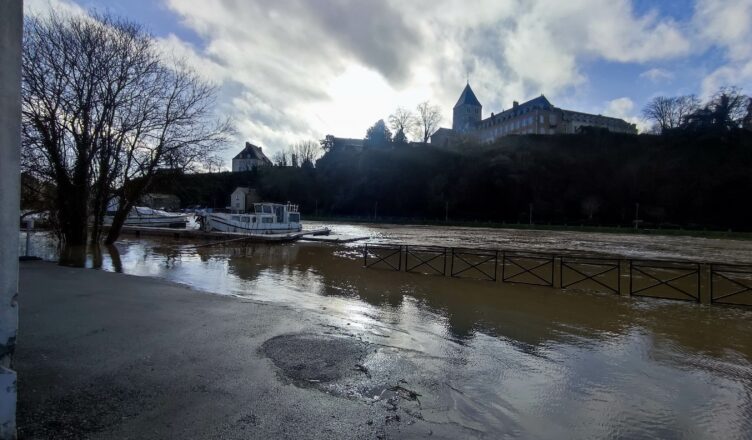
(305, 152)
(670, 112)
(428, 120)
(103, 111)
(402, 120)
(301, 154)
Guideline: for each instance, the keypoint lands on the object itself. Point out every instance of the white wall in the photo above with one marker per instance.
(11, 19)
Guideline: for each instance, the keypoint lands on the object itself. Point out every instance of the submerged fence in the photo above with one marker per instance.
(673, 280)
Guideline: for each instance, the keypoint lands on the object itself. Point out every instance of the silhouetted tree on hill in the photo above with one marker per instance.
(669, 112)
(402, 120)
(724, 112)
(378, 135)
(428, 120)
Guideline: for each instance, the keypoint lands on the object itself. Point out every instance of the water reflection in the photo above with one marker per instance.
(92, 256)
(493, 357)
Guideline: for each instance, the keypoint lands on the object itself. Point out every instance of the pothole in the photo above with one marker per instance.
(311, 359)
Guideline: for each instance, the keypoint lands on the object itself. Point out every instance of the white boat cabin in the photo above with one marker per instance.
(266, 218)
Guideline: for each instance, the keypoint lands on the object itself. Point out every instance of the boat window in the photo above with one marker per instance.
(280, 214)
(235, 218)
(253, 219)
(267, 209)
(294, 217)
(257, 208)
(245, 219)
(267, 220)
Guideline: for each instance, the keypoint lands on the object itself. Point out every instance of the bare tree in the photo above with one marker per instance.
(428, 120)
(402, 120)
(103, 112)
(280, 159)
(684, 106)
(670, 112)
(178, 134)
(305, 152)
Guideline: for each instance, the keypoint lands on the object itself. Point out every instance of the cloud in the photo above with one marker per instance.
(657, 74)
(624, 108)
(43, 7)
(296, 69)
(620, 107)
(733, 74)
(173, 47)
(311, 67)
(726, 24)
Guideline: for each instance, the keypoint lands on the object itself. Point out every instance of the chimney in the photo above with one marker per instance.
(515, 104)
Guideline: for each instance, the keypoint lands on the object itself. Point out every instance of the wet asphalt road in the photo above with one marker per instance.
(111, 356)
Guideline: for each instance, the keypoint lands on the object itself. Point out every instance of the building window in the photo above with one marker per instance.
(541, 119)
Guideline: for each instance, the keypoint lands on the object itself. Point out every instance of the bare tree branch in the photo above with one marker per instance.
(429, 118)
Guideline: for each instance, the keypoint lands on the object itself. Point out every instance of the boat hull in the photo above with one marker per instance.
(151, 218)
(158, 222)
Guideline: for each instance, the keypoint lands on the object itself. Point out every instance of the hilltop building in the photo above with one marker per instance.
(537, 116)
(249, 158)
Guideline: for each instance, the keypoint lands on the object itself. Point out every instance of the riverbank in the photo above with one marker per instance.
(108, 355)
(670, 232)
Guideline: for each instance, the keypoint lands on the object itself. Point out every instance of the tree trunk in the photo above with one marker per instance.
(73, 214)
(131, 193)
(118, 221)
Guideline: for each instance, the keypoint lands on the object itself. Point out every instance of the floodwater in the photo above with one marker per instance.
(498, 359)
(645, 246)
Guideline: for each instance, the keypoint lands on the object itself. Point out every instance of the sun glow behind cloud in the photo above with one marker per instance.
(357, 98)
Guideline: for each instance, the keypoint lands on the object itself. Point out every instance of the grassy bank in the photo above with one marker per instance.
(704, 233)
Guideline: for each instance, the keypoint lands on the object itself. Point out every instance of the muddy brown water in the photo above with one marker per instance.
(497, 359)
(644, 246)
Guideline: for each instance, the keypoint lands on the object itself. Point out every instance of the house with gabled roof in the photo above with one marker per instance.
(249, 158)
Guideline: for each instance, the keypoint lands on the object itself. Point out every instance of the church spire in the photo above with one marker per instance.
(467, 111)
(467, 98)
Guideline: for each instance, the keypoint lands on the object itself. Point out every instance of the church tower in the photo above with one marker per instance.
(467, 111)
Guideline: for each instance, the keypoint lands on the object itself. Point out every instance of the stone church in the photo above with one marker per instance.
(537, 116)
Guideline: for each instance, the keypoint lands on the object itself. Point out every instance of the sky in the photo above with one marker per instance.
(294, 70)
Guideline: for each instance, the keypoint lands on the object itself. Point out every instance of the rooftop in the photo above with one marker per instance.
(252, 152)
(468, 98)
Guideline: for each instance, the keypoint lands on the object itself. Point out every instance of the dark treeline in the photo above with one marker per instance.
(679, 179)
